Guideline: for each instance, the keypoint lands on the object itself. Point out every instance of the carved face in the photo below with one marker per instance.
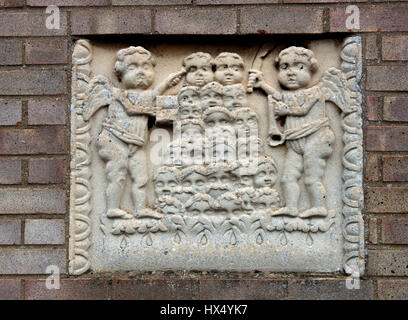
(246, 123)
(219, 183)
(210, 98)
(199, 208)
(191, 132)
(235, 97)
(294, 71)
(264, 201)
(265, 176)
(217, 119)
(190, 112)
(230, 207)
(165, 183)
(246, 181)
(188, 98)
(196, 181)
(199, 71)
(228, 70)
(248, 149)
(139, 72)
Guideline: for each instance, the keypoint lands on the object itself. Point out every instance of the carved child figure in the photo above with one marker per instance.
(124, 130)
(307, 128)
(211, 95)
(229, 68)
(199, 69)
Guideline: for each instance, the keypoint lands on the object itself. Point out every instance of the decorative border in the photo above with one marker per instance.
(81, 190)
(353, 196)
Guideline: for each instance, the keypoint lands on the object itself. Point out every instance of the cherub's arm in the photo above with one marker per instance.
(172, 80)
(256, 80)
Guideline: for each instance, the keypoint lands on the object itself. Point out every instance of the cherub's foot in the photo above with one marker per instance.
(314, 212)
(118, 213)
(286, 211)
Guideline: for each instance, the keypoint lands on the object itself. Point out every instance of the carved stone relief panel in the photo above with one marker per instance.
(216, 157)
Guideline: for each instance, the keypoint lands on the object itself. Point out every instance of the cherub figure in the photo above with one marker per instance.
(229, 68)
(166, 180)
(199, 69)
(307, 130)
(124, 130)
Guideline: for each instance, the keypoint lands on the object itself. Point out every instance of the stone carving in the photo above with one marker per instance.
(237, 188)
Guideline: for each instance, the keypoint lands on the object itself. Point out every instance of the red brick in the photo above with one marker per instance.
(32, 200)
(387, 78)
(33, 141)
(372, 19)
(21, 24)
(10, 171)
(31, 261)
(32, 82)
(262, 20)
(371, 170)
(10, 232)
(47, 111)
(395, 48)
(138, 289)
(112, 21)
(328, 289)
(386, 200)
(373, 230)
(70, 289)
(67, 3)
(10, 112)
(46, 51)
(371, 47)
(149, 2)
(393, 289)
(44, 231)
(11, 3)
(222, 2)
(395, 108)
(196, 21)
(395, 168)
(387, 138)
(243, 289)
(395, 230)
(46, 171)
(372, 108)
(11, 52)
(10, 289)
(387, 263)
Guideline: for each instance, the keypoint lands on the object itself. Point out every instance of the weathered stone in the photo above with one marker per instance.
(393, 289)
(372, 108)
(395, 168)
(387, 78)
(387, 138)
(46, 51)
(11, 52)
(395, 230)
(386, 200)
(46, 171)
(10, 289)
(47, 111)
(372, 171)
(395, 109)
(395, 48)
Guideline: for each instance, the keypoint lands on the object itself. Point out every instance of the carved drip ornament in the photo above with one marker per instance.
(215, 160)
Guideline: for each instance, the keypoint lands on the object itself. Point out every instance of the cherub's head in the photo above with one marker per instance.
(229, 68)
(199, 69)
(295, 67)
(165, 180)
(211, 95)
(230, 204)
(134, 67)
(200, 204)
(235, 96)
(266, 173)
(244, 174)
(189, 103)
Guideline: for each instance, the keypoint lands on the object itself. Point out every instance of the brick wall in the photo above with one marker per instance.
(34, 141)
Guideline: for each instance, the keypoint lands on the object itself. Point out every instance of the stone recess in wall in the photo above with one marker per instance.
(216, 157)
